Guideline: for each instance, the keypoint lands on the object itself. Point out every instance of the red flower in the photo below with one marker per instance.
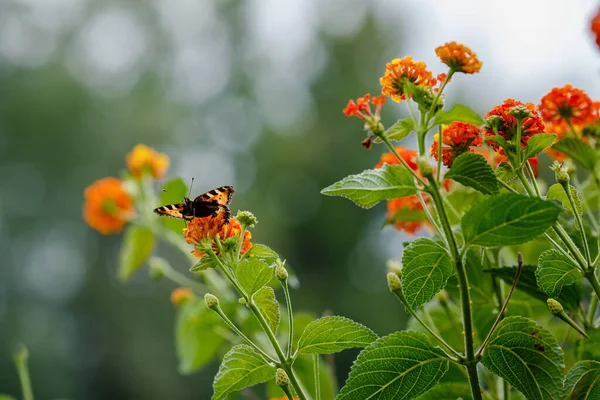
(211, 227)
(595, 27)
(567, 104)
(530, 125)
(457, 138)
(459, 58)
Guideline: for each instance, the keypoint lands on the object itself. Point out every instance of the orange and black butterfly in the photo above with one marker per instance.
(207, 204)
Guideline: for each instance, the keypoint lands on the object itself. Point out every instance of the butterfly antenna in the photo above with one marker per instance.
(191, 185)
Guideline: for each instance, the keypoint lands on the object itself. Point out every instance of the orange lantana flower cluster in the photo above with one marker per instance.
(181, 295)
(362, 107)
(459, 58)
(567, 105)
(531, 125)
(107, 206)
(457, 138)
(399, 70)
(145, 159)
(211, 227)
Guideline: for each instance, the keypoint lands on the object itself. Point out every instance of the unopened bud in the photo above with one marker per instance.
(425, 167)
(561, 173)
(281, 378)
(157, 267)
(211, 301)
(520, 112)
(394, 266)
(493, 122)
(280, 272)
(554, 306)
(246, 218)
(394, 281)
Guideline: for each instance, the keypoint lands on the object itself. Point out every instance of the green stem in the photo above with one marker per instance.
(429, 215)
(439, 93)
(20, 359)
(240, 243)
(592, 311)
(393, 150)
(593, 279)
(517, 142)
(317, 376)
(287, 391)
(288, 303)
(532, 177)
(578, 220)
(506, 389)
(507, 186)
(440, 149)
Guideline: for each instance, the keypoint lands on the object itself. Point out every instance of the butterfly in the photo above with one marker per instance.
(209, 204)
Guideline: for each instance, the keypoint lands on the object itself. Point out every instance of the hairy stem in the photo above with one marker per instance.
(317, 377)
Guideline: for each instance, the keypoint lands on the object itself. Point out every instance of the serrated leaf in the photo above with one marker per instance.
(508, 219)
(203, 264)
(401, 129)
(333, 334)
(263, 252)
(253, 274)
(581, 152)
(266, 301)
(557, 192)
(242, 367)
(374, 185)
(448, 391)
(527, 356)
(472, 170)
(537, 143)
(459, 112)
(404, 362)
(570, 296)
(505, 172)
(554, 271)
(583, 381)
(173, 192)
(426, 268)
(137, 246)
(196, 341)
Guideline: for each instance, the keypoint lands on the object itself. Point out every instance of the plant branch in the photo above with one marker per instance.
(317, 377)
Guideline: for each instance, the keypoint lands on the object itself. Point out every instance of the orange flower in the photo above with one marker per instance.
(107, 206)
(362, 107)
(181, 295)
(210, 227)
(596, 27)
(408, 155)
(410, 203)
(399, 70)
(457, 138)
(567, 104)
(459, 58)
(531, 125)
(145, 159)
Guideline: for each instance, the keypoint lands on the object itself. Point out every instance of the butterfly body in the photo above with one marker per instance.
(208, 204)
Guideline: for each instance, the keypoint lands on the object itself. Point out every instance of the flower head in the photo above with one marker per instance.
(144, 159)
(406, 204)
(459, 58)
(595, 27)
(457, 138)
(208, 228)
(107, 206)
(361, 108)
(567, 104)
(398, 71)
(507, 126)
(408, 155)
(181, 295)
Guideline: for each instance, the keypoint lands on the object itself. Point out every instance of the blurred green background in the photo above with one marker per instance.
(242, 93)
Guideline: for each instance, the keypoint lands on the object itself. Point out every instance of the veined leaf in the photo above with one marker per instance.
(459, 112)
(205, 262)
(554, 271)
(263, 252)
(527, 356)
(333, 334)
(583, 381)
(242, 367)
(374, 185)
(137, 246)
(173, 192)
(448, 391)
(426, 268)
(537, 143)
(505, 172)
(253, 274)
(470, 169)
(581, 152)
(557, 192)
(508, 219)
(404, 362)
(401, 129)
(266, 301)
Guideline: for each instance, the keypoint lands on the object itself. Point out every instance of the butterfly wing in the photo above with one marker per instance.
(220, 196)
(173, 211)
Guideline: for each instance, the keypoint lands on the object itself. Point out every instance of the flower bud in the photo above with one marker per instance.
(281, 378)
(520, 112)
(246, 218)
(280, 272)
(561, 173)
(425, 167)
(493, 122)
(394, 266)
(181, 295)
(157, 267)
(211, 301)
(554, 306)
(394, 281)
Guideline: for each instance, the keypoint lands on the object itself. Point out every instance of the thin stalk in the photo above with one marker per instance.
(317, 376)
(439, 161)
(393, 150)
(518, 147)
(439, 93)
(506, 389)
(287, 391)
(20, 360)
(586, 248)
(429, 215)
(503, 309)
(532, 177)
(288, 303)
(559, 248)
(592, 311)
(507, 186)
(240, 243)
(593, 279)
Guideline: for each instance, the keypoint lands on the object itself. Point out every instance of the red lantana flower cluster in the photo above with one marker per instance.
(457, 138)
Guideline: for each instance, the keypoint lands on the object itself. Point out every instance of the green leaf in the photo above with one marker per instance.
(570, 296)
(266, 301)
(508, 219)
(583, 381)
(203, 264)
(137, 246)
(253, 274)
(373, 185)
(263, 252)
(403, 362)
(401, 129)
(470, 169)
(527, 356)
(173, 192)
(499, 140)
(242, 367)
(557, 192)
(581, 152)
(505, 172)
(196, 340)
(537, 143)
(554, 271)
(6, 397)
(426, 268)
(448, 391)
(459, 112)
(333, 334)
